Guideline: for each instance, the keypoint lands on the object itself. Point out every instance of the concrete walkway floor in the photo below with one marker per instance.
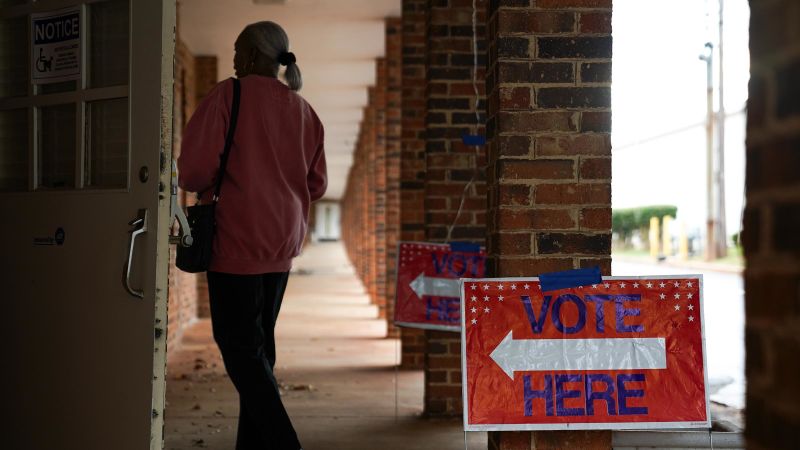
(335, 365)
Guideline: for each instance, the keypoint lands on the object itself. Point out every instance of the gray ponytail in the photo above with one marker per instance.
(293, 77)
(271, 41)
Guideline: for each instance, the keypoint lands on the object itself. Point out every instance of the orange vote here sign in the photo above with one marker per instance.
(622, 354)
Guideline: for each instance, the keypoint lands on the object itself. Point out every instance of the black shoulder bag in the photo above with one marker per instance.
(202, 221)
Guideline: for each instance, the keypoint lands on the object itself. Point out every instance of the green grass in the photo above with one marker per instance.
(734, 257)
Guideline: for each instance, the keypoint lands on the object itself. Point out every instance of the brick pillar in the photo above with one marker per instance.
(368, 190)
(394, 80)
(549, 124)
(371, 202)
(205, 78)
(352, 215)
(205, 68)
(771, 232)
(182, 291)
(379, 170)
(450, 166)
(412, 165)
(362, 209)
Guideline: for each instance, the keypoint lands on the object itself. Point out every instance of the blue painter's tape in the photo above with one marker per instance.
(466, 247)
(473, 139)
(570, 279)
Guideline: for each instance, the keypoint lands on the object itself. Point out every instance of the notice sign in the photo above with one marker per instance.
(56, 38)
(626, 353)
(427, 293)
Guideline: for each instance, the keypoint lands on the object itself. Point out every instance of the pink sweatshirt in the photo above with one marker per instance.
(275, 170)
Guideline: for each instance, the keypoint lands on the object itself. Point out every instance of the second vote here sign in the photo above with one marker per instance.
(427, 283)
(622, 354)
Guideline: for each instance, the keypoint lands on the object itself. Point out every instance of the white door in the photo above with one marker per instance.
(85, 132)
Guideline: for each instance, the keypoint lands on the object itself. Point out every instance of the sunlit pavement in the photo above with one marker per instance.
(336, 367)
(723, 304)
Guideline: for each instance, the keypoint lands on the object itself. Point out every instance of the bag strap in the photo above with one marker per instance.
(229, 137)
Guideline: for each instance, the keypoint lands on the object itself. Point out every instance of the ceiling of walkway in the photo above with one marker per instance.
(335, 41)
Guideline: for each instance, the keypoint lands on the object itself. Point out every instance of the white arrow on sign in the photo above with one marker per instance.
(579, 354)
(436, 287)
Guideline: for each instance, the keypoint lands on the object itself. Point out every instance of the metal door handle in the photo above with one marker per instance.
(184, 239)
(140, 224)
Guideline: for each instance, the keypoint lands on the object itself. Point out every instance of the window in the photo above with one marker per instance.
(73, 133)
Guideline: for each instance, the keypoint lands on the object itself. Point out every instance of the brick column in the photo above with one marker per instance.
(393, 116)
(549, 124)
(450, 166)
(771, 232)
(205, 78)
(379, 171)
(205, 69)
(182, 289)
(412, 164)
(367, 233)
(371, 202)
(352, 215)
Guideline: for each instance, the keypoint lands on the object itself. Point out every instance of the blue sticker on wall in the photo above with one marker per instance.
(466, 247)
(570, 279)
(473, 139)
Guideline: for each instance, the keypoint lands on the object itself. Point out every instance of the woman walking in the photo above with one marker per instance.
(275, 169)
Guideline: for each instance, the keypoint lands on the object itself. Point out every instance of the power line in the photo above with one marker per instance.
(673, 132)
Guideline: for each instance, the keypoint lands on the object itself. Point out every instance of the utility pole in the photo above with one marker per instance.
(721, 232)
(710, 228)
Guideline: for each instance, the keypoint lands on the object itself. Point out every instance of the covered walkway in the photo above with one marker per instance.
(336, 367)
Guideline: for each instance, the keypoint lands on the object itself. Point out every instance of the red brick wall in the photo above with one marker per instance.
(771, 232)
(549, 124)
(371, 203)
(412, 166)
(393, 130)
(451, 166)
(205, 78)
(379, 151)
(182, 297)
(205, 68)
(357, 209)
(188, 293)
(370, 197)
(182, 307)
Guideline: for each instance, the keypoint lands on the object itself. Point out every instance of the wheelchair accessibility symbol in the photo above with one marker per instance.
(44, 64)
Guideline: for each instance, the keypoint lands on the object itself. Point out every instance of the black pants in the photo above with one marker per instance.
(244, 309)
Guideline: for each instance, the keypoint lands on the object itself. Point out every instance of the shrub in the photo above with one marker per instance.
(625, 221)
